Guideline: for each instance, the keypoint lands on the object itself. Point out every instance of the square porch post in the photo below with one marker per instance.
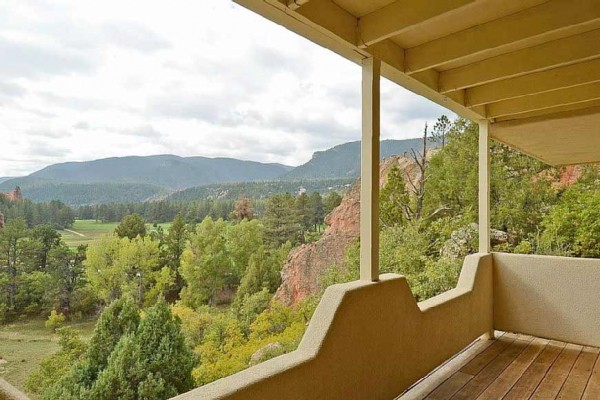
(484, 197)
(484, 187)
(369, 170)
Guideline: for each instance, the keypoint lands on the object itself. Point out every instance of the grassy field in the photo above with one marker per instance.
(24, 344)
(86, 231)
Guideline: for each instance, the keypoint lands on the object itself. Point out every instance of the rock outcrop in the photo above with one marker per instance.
(15, 195)
(305, 264)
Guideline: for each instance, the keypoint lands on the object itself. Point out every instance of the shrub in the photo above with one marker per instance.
(55, 320)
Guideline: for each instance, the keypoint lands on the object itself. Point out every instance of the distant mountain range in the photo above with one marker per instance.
(343, 161)
(164, 170)
(138, 179)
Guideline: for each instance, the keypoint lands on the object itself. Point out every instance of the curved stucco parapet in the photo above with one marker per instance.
(546, 296)
(369, 341)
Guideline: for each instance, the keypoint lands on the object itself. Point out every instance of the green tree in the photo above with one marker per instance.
(129, 358)
(103, 270)
(394, 199)
(118, 266)
(440, 130)
(45, 238)
(331, 201)
(283, 223)
(12, 254)
(572, 227)
(317, 210)
(153, 363)
(243, 240)
(206, 263)
(66, 267)
(175, 242)
(304, 210)
(263, 271)
(131, 226)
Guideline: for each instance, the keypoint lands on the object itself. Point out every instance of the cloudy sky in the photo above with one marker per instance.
(87, 79)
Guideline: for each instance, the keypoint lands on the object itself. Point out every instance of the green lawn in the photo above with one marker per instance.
(92, 230)
(24, 344)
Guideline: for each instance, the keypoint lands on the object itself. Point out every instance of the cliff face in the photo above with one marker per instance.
(305, 264)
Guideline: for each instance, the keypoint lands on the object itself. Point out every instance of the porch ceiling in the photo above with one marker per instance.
(527, 66)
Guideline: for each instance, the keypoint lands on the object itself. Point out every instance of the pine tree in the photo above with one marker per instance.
(282, 221)
(175, 242)
(304, 210)
(317, 210)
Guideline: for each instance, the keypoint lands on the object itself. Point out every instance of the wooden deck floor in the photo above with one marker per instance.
(514, 367)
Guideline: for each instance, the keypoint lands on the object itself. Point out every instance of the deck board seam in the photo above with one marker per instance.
(529, 340)
(569, 374)
(587, 382)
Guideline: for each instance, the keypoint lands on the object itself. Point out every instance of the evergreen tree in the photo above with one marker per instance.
(66, 267)
(282, 221)
(121, 317)
(45, 238)
(131, 226)
(304, 210)
(317, 213)
(394, 200)
(12, 254)
(130, 359)
(175, 242)
(331, 201)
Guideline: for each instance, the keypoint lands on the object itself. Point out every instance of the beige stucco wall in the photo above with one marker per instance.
(550, 297)
(370, 341)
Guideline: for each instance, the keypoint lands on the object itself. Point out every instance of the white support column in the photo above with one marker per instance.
(369, 171)
(484, 187)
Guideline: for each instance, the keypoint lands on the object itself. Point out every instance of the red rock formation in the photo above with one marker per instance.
(15, 195)
(305, 264)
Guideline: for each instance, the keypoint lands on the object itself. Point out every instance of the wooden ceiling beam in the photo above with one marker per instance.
(328, 24)
(562, 52)
(556, 98)
(547, 21)
(550, 111)
(295, 4)
(329, 16)
(539, 82)
(399, 16)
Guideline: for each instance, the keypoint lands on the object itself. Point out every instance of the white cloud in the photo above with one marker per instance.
(82, 79)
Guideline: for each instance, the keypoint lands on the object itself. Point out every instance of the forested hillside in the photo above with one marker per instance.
(343, 161)
(163, 170)
(261, 190)
(76, 194)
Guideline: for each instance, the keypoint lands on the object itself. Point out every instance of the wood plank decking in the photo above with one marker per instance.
(514, 367)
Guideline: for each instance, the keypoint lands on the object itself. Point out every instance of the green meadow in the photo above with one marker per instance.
(23, 345)
(86, 231)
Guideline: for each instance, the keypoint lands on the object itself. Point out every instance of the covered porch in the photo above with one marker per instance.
(528, 72)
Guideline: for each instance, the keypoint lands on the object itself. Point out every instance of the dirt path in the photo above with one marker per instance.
(76, 233)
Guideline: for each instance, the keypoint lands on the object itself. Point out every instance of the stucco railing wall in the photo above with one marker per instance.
(550, 297)
(369, 341)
